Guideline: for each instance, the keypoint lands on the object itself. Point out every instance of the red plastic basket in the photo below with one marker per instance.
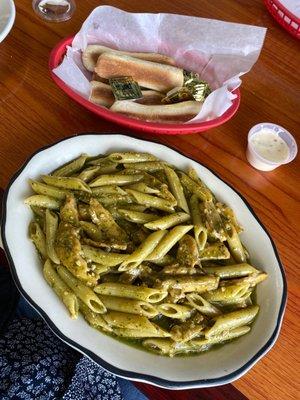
(284, 17)
(55, 59)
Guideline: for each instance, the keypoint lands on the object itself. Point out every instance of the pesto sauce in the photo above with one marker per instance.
(165, 322)
(137, 344)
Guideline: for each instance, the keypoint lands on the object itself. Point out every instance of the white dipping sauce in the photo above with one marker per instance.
(270, 146)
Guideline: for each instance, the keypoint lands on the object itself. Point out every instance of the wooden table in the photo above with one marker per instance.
(34, 112)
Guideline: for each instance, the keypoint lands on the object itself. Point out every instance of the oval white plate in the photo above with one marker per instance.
(217, 367)
(7, 17)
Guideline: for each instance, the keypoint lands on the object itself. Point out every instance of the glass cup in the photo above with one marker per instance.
(54, 10)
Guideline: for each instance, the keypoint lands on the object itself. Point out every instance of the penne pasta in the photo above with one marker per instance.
(149, 166)
(103, 257)
(85, 294)
(192, 173)
(232, 320)
(171, 348)
(215, 251)
(132, 292)
(174, 310)
(89, 173)
(38, 211)
(38, 238)
(169, 240)
(100, 269)
(71, 167)
(179, 269)
(176, 188)
(51, 229)
(70, 183)
(226, 293)
(43, 201)
(143, 188)
(131, 157)
(231, 271)
(141, 333)
(168, 221)
(161, 176)
(165, 346)
(235, 246)
(100, 160)
(194, 188)
(136, 216)
(165, 193)
(107, 189)
(120, 180)
(202, 305)
(46, 190)
(200, 231)
(84, 197)
(165, 260)
(94, 319)
(128, 321)
(129, 305)
(91, 230)
(111, 199)
(195, 283)
(221, 337)
(113, 209)
(143, 251)
(105, 244)
(151, 201)
(61, 289)
(162, 346)
(252, 280)
(236, 302)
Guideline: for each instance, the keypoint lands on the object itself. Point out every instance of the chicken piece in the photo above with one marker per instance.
(108, 226)
(187, 253)
(69, 211)
(188, 329)
(84, 212)
(131, 275)
(68, 249)
(106, 244)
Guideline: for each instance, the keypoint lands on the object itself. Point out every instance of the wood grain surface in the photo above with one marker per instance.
(34, 112)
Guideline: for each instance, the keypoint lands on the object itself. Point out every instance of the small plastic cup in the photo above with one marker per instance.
(259, 162)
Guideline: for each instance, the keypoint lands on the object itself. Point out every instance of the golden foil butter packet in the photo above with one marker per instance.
(177, 95)
(193, 88)
(199, 89)
(125, 88)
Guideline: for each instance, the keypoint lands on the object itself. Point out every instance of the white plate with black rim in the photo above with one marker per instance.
(218, 367)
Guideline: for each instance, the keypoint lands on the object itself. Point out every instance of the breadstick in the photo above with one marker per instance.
(101, 94)
(148, 74)
(92, 52)
(170, 113)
